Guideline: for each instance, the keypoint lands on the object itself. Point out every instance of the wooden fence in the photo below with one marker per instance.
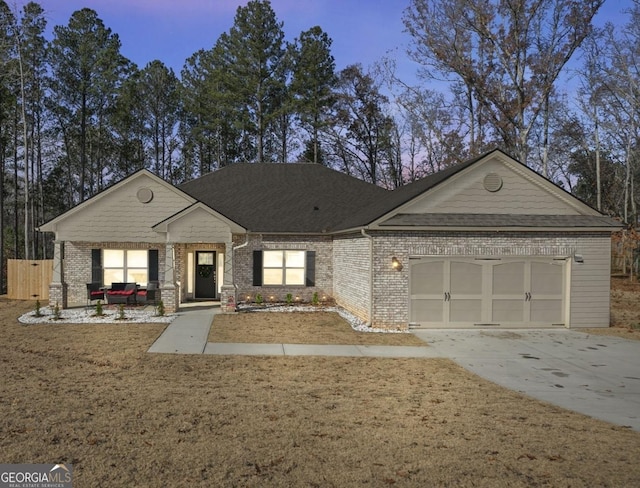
(29, 280)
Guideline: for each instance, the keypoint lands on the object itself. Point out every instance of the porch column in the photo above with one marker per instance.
(169, 291)
(58, 288)
(228, 290)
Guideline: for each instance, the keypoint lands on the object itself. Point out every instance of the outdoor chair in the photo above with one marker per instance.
(122, 293)
(148, 295)
(94, 292)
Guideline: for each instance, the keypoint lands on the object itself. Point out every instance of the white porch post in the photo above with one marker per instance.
(58, 288)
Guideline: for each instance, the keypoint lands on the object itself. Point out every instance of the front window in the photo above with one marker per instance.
(283, 267)
(130, 266)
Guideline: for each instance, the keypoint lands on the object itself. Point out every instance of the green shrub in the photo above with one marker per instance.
(315, 300)
(259, 299)
(160, 309)
(99, 311)
(121, 315)
(56, 312)
(289, 298)
(37, 312)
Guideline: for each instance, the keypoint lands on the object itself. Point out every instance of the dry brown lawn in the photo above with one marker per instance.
(299, 328)
(625, 309)
(90, 395)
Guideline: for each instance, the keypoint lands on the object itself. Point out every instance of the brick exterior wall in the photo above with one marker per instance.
(391, 287)
(352, 274)
(77, 267)
(243, 266)
(345, 265)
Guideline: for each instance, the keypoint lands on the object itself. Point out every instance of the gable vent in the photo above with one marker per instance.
(145, 195)
(492, 182)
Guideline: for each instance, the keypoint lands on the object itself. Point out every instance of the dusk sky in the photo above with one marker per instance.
(363, 31)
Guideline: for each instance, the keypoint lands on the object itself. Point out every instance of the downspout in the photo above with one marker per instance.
(364, 234)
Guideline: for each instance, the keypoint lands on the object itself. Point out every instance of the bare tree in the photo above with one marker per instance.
(507, 53)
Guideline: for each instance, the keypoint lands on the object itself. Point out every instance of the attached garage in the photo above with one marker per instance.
(490, 243)
(507, 292)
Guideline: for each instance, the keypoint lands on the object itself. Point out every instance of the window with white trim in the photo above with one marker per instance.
(283, 267)
(125, 265)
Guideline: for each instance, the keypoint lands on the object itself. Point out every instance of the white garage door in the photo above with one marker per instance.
(466, 292)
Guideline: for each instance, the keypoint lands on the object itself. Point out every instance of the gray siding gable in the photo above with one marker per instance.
(121, 212)
(494, 191)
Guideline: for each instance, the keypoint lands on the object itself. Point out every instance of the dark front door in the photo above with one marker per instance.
(205, 274)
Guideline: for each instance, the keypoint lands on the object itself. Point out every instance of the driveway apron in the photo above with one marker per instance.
(592, 374)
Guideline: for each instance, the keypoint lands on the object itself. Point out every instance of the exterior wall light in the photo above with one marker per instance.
(396, 264)
(578, 258)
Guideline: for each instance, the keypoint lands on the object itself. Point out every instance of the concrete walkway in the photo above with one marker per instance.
(187, 334)
(595, 375)
(220, 348)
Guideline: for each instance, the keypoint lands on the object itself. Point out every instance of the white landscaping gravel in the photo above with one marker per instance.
(88, 316)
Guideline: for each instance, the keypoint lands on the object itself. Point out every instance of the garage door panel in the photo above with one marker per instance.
(465, 310)
(466, 278)
(546, 311)
(508, 310)
(508, 278)
(546, 278)
(427, 278)
(425, 310)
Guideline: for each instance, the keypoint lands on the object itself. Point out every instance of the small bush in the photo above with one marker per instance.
(259, 299)
(121, 315)
(37, 311)
(99, 311)
(56, 312)
(289, 298)
(315, 300)
(160, 309)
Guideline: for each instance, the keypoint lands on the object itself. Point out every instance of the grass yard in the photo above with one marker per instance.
(90, 395)
(298, 328)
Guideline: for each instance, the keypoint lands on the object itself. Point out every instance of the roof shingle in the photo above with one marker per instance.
(280, 198)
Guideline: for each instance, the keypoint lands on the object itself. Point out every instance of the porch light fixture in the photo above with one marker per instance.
(396, 264)
(578, 258)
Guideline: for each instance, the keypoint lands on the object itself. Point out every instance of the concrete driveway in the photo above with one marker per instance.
(591, 374)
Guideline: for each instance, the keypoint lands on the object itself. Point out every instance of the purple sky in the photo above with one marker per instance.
(363, 31)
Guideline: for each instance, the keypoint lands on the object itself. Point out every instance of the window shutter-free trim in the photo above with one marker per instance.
(153, 265)
(96, 266)
(257, 268)
(311, 268)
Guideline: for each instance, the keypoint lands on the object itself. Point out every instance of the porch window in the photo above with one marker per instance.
(130, 265)
(283, 267)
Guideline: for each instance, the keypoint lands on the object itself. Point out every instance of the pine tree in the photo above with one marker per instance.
(312, 84)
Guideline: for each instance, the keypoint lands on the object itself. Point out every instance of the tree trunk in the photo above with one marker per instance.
(25, 141)
(598, 176)
(545, 144)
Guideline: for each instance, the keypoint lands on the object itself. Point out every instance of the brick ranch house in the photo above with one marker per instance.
(487, 242)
